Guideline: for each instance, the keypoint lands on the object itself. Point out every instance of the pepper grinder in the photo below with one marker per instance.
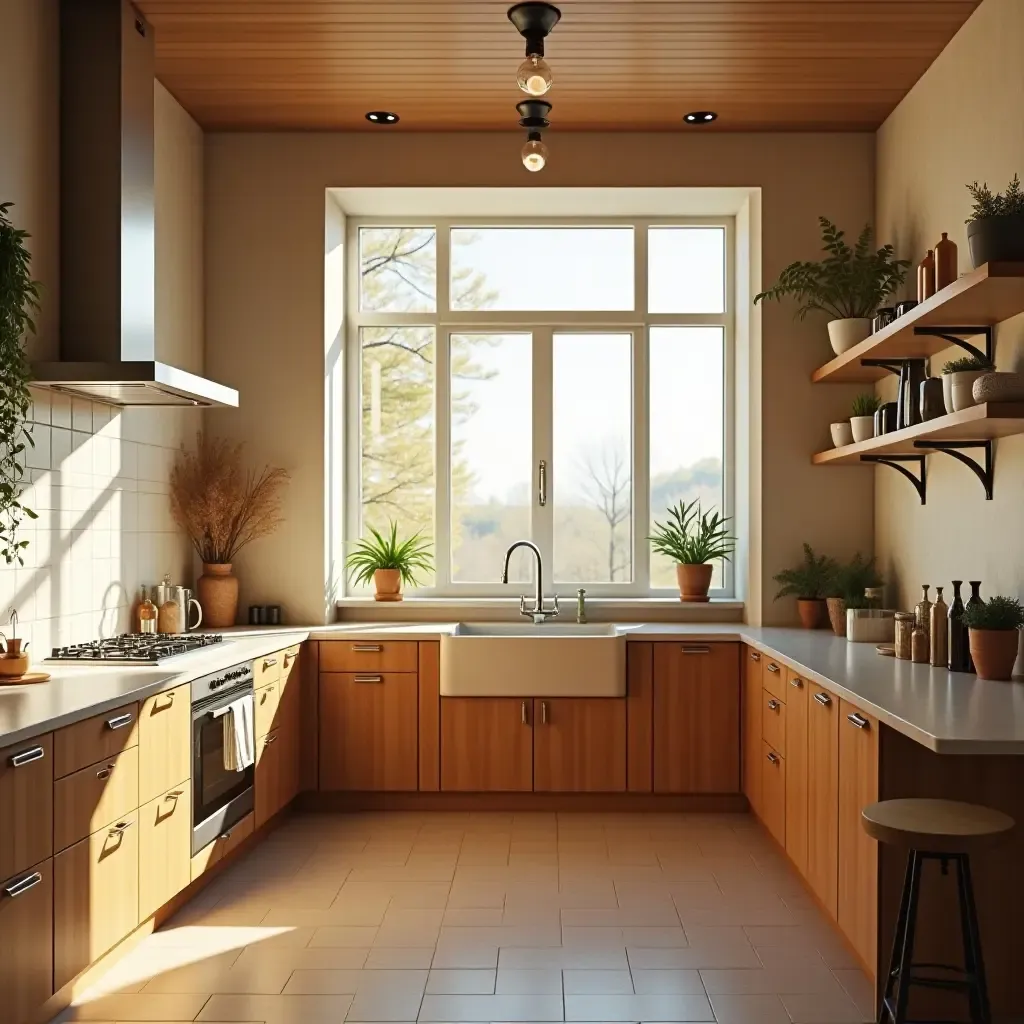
(939, 631)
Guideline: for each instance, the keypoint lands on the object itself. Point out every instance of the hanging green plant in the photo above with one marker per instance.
(19, 299)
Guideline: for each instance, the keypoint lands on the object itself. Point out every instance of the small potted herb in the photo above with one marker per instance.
(995, 228)
(862, 416)
(849, 284)
(693, 541)
(994, 631)
(848, 584)
(958, 377)
(389, 562)
(810, 582)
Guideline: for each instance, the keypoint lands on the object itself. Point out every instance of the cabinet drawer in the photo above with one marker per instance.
(26, 804)
(368, 655)
(26, 938)
(95, 796)
(222, 846)
(267, 669)
(165, 742)
(165, 848)
(95, 739)
(773, 793)
(289, 662)
(774, 677)
(773, 722)
(266, 700)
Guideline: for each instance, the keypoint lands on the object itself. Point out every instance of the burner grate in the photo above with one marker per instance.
(137, 648)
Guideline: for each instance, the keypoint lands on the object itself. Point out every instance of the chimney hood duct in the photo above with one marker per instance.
(107, 309)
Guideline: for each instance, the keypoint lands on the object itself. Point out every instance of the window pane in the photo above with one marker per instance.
(686, 432)
(686, 270)
(542, 268)
(398, 270)
(397, 463)
(592, 458)
(491, 437)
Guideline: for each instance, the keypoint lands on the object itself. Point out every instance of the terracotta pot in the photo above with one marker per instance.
(994, 652)
(813, 612)
(837, 614)
(217, 592)
(694, 581)
(387, 585)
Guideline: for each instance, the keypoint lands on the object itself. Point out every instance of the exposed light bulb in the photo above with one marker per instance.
(535, 155)
(534, 76)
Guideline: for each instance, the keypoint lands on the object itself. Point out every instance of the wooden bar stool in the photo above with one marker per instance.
(943, 830)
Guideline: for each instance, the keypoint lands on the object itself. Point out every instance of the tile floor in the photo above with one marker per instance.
(495, 917)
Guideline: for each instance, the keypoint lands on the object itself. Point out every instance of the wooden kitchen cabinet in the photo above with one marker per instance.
(579, 745)
(822, 871)
(269, 781)
(165, 742)
(773, 722)
(266, 670)
(368, 730)
(84, 743)
(86, 800)
(753, 687)
(26, 804)
(696, 718)
(486, 744)
(26, 939)
(796, 769)
(773, 793)
(858, 852)
(265, 703)
(369, 656)
(165, 848)
(95, 896)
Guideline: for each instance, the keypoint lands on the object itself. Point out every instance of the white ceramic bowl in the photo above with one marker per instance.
(842, 433)
(999, 387)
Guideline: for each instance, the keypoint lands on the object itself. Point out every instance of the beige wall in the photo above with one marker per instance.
(265, 308)
(961, 122)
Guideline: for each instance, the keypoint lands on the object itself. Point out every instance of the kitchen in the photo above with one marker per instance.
(251, 232)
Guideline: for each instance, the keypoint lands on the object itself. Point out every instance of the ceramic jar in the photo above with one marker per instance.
(217, 591)
(945, 262)
(842, 433)
(844, 334)
(904, 633)
(926, 277)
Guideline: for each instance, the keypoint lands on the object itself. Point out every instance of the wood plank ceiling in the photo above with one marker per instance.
(634, 65)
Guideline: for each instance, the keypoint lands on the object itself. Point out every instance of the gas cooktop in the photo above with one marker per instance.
(136, 648)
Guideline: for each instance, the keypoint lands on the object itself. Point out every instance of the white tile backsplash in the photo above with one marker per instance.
(98, 480)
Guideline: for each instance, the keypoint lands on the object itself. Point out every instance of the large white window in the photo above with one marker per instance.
(557, 382)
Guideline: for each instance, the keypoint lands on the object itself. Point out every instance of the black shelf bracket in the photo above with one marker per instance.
(956, 336)
(984, 473)
(896, 462)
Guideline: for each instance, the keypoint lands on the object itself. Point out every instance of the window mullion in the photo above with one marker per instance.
(542, 518)
(442, 461)
(641, 464)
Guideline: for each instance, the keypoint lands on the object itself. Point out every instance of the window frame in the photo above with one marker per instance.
(543, 326)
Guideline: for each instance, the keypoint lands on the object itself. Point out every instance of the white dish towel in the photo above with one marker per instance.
(238, 721)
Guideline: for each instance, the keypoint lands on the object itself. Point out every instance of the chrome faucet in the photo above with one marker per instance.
(538, 612)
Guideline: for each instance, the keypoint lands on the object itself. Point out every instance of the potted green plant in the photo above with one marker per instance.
(19, 300)
(849, 284)
(848, 583)
(389, 562)
(993, 633)
(995, 228)
(958, 377)
(810, 582)
(862, 416)
(693, 540)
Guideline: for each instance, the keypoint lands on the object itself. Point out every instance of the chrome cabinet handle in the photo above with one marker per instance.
(368, 679)
(120, 721)
(542, 483)
(120, 828)
(368, 648)
(22, 885)
(823, 699)
(526, 716)
(272, 738)
(774, 758)
(774, 705)
(26, 757)
(269, 689)
(797, 682)
(269, 662)
(226, 835)
(544, 712)
(772, 667)
(105, 773)
(755, 656)
(857, 720)
(696, 649)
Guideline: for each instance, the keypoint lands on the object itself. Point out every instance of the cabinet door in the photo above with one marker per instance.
(86, 800)
(26, 938)
(696, 718)
(579, 745)
(26, 804)
(165, 742)
(268, 781)
(95, 896)
(796, 770)
(752, 753)
(368, 727)
(823, 795)
(95, 739)
(486, 744)
(773, 793)
(165, 848)
(290, 715)
(858, 852)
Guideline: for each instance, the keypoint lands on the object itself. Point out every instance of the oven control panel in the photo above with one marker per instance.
(229, 678)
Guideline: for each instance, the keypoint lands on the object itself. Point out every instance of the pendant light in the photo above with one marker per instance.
(533, 116)
(534, 21)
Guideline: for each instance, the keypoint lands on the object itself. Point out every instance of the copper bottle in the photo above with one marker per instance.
(945, 262)
(926, 277)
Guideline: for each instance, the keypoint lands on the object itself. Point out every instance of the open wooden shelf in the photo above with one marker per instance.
(979, 423)
(984, 297)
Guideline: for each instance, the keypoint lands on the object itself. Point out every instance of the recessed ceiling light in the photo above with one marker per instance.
(382, 117)
(700, 117)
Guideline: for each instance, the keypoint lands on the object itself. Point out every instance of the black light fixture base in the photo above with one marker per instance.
(534, 113)
(533, 21)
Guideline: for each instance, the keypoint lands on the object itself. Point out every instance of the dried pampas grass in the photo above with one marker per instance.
(220, 505)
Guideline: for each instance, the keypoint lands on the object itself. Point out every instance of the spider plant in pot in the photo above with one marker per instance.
(849, 284)
(810, 582)
(862, 416)
(848, 584)
(958, 377)
(389, 562)
(993, 629)
(693, 540)
(995, 228)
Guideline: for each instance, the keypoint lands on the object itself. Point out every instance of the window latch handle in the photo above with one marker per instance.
(542, 483)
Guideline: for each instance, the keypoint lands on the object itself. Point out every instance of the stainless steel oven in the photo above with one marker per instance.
(221, 796)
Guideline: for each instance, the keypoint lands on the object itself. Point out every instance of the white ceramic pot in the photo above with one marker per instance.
(999, 387)
(844, 334)
(863, 427)
(842, 433)
(963, 388)
(947, 391)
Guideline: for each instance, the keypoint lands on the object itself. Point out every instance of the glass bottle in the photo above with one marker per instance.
(975, 599)
(959, 652)
(147, 614)
(938, 631)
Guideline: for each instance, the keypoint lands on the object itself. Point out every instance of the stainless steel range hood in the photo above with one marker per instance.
(107, 303)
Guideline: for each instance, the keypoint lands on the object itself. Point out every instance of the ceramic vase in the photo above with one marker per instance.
(217, 592)
(926, 277)
(387, 585)
(844, 334)
(945, 262)
(842, 433)
(992, 239)
(694, 581)
(963, 388)
(994, 652)
(813, 612)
